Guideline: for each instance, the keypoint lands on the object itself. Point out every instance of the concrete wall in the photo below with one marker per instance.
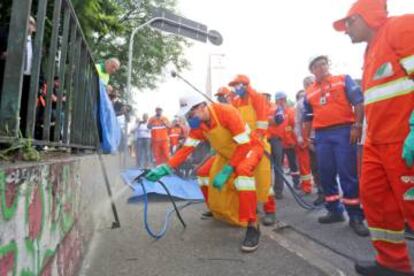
(49, 211)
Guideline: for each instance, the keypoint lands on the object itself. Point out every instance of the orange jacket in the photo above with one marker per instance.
(176, 133)
(388, 81)
(229, 118)
(260, 105)
(329, 103)
(159, 128)
(274, 130)
(289, 137)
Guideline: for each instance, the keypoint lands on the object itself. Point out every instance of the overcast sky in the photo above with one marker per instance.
(270, 41)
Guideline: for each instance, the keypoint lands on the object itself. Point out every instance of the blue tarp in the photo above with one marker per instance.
(110, 130)
(178, 187)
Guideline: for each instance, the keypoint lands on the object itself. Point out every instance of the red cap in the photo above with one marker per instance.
(222, 91)
(240, 79)
(374, 12)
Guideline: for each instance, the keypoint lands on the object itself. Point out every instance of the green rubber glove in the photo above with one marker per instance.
(158, 172)
(408, 147)
(221, 178)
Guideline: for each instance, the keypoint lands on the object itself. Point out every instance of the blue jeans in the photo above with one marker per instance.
(337, 157)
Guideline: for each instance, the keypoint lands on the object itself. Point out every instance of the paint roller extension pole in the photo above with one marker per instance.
(174, 74)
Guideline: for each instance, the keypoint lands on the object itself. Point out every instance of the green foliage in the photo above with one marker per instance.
(108, 24)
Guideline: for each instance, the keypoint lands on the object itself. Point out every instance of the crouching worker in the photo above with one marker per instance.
(231, 191)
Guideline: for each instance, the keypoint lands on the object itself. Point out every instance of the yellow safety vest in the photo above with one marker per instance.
(103, 75)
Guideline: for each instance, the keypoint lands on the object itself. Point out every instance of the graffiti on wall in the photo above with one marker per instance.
(38, 214)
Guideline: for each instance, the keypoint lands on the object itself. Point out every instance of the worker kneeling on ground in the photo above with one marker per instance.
(231, 190)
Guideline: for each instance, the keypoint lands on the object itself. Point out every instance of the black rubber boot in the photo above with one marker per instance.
(331, 218)
(359, 227)
(207, 215)
(269, 219)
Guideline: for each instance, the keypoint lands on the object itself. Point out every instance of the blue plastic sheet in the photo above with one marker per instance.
(109, 127)
(178, 187)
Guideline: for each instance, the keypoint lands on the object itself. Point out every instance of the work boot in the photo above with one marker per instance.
(251, 241)
(319, 200)
(372, 268)
(359, 227)
(269, 219)
(331, 218)
(207, 215)
(279, 196)
(409, 233)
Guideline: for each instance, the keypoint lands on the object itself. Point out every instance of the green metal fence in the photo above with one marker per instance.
(69, 112)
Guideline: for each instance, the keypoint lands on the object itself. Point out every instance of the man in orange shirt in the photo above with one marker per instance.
(289, 137)
(224, 95)
(230, 190)
(254, 110)
(159, 126)
(176, 134)
(336, 105)
(387, 180)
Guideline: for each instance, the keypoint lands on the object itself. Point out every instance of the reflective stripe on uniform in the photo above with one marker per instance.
(190, 142)
(262, 124)
(242, 138)
(389, 90)
(306, 177)
(158, 127)
(351, 201)
(408, 64)
(332, 198)
(245, 183)
(391, 236)
(203, 181)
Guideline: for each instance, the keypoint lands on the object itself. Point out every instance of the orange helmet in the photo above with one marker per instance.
(223, 91)
(240, 79)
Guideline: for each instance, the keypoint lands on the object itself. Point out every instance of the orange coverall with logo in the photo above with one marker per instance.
(235, 145)
(159, 138)
(387, 183)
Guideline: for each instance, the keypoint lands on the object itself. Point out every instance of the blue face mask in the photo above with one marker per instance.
(241, 91)
(194, 122)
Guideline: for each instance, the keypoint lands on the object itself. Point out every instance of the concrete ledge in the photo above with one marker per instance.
(50, 209)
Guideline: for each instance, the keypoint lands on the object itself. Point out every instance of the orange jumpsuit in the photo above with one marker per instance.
(290, 144)
(159, 138)
(302, 153)
(176, 134)
(387, 183)
(255, 111)
(236, 146)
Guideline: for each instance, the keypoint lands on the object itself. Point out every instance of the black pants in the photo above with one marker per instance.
(315, 173)
(276, 158)
(293, 165)
(24, 103)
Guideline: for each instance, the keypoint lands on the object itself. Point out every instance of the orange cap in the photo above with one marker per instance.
(223, 91)
(374, 12)
(240, 79)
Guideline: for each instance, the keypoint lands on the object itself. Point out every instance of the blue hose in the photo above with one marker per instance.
(167, 216)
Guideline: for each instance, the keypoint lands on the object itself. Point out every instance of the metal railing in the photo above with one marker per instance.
(69, 110)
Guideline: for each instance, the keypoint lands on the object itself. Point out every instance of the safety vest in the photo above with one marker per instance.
(388, 89)
(159, 130)
(103, 75)
(329, 103)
